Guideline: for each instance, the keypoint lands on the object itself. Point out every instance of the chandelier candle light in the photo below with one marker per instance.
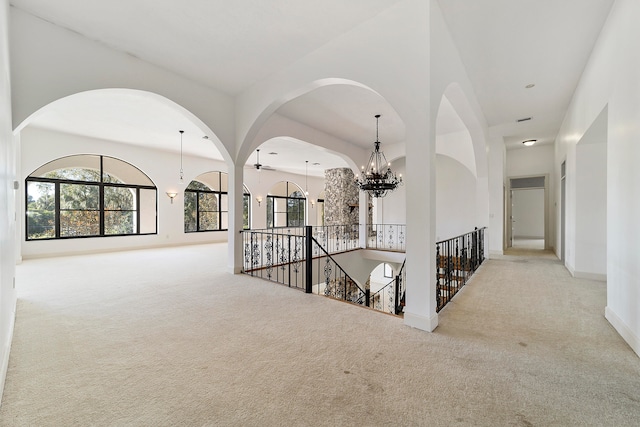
(378, 179)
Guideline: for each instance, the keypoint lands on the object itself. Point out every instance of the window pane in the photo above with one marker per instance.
(40, 210)
(79, 197)
(190, 223)
(197, 185)
(280, 189)
(79, 223)
(208, 221)
(71, 167)
(207, 202)
(211, 180)
(224, 202)
(119, 198)
(270, 212)
(280, 219)
(116, 170)
(245, 211)
(148, 216)
(119, 222)
(224, 182)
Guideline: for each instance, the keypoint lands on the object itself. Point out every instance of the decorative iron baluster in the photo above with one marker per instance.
(268, 247)
(296, 253)
(327, 276)
(391, 239)
(255, 251)
(401, 238)
(438, 295)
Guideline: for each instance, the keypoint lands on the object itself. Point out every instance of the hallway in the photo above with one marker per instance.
(167, 337)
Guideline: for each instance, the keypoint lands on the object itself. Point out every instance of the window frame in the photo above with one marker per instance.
(101, 185)
(270, 204)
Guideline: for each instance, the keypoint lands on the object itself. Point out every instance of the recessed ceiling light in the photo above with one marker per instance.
(530, 85)
(524, 119)
(205, 137)
(529, 142)
(273, 153)
(316, 164)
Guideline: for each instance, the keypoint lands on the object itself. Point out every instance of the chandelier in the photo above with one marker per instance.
(378, 179)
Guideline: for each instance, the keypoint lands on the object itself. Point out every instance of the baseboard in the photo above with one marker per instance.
(625, 332)
(234, 270)
(6, 350)
(584, 275)
(569, 267)
(590, 276)
(421, 322)
(495, 253)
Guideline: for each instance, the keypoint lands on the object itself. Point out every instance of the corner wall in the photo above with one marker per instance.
(7, 201)
(611, 79)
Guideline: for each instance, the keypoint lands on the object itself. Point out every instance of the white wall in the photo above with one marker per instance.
(497, 184)
(610, 80)
(392, 209)
(40, 146)
(591, 209)
(528, 213)
(7, 201)
(455, 199)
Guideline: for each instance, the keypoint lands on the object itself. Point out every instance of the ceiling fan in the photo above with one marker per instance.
(259, 166)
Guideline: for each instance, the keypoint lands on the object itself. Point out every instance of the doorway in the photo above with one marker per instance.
(527, 218)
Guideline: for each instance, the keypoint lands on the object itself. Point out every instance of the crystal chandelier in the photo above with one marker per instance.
(378, 179)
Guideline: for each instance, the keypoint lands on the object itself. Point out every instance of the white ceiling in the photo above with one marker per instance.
(225, 44)
(506, 45)
(229, 45)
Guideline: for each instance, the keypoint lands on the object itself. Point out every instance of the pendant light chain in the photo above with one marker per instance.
(181, 170)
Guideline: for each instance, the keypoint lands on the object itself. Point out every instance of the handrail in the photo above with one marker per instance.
(462, 235)
(338, 265)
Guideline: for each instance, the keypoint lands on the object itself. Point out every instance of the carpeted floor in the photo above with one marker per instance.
(166, 337)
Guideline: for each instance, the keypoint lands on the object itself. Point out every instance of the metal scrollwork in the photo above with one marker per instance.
(255, 251)
(297, 248)
(268, 248)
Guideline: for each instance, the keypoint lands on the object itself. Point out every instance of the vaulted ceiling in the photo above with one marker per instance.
(505, 46)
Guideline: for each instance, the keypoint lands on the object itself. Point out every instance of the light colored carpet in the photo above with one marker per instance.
(166, 337)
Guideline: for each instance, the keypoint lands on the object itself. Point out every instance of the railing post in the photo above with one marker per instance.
(396, 309)
(367, 296)
(308, 287)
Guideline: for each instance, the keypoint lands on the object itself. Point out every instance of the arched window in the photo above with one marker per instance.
(246, 208)
(285, 206)
(89, 196)
(206, 203)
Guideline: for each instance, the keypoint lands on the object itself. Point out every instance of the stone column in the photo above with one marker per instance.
(341, 203)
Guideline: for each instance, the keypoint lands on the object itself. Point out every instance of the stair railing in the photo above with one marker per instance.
(332, 280)
(456, 260)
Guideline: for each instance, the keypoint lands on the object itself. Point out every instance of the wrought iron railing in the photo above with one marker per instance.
(456, 260)
(280, 255)
(332, 281)
(337, 238)
(388, 237)
(276, 254)
(390, 298)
